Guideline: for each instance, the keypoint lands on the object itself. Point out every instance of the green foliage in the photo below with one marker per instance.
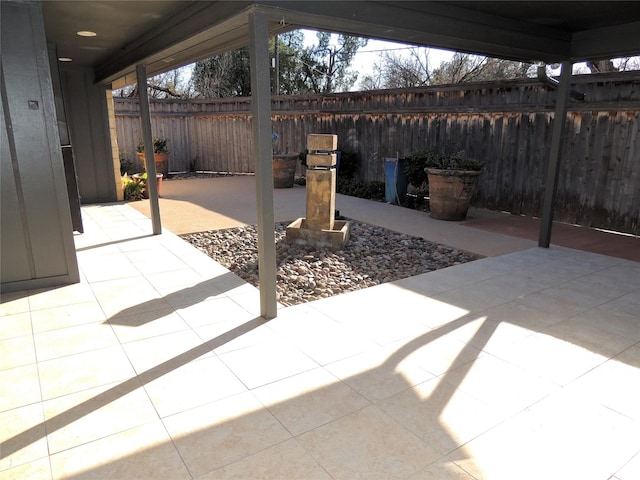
(325, 66)
(320, 68)
(159, 145)
(349, 164)
(125, 166)
(415, 164)
(370, 190)
(417, 161)
(222, 76)
(133, 189)
(290, 47)
(457, 161)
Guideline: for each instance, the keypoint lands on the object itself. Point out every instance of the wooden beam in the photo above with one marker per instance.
(605, 42)
(435, 24)
(262, 153)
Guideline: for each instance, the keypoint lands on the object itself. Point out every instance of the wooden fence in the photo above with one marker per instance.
(506, 124)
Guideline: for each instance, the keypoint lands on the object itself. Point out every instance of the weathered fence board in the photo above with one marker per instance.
(507, 124)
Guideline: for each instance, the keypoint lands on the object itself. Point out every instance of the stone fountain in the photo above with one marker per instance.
(320, 228)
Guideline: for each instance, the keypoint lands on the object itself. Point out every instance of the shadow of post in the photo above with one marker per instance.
(67, 417)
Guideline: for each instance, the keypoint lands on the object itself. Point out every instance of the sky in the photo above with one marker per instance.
(367, 56)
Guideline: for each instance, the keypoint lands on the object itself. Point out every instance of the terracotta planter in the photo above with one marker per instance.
(145, 193)
(161, 161)
(284, 169)
(450, 192)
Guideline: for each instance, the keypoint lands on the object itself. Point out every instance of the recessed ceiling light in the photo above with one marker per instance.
(65, 59)
(86, 33)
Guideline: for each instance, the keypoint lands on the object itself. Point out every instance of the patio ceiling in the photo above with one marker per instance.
(164, 35)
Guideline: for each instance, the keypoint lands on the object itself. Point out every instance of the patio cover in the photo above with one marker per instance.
(157, 36)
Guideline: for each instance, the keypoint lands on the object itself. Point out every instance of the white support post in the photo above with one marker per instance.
(262, 152)
(147, 138)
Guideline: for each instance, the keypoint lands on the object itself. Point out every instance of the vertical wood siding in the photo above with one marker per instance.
(507, 124)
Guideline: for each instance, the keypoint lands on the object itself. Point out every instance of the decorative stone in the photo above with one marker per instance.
(372, 256)
(299, 233)
(321, 199)
(322, 142)
(319, 229)
(322, 159)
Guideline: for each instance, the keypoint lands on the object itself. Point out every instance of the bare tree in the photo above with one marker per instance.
(401, 71)
(325, 66)
(599, 66)
(224, 75)
(472, 68)
(173, 84)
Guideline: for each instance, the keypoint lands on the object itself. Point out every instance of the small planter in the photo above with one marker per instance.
(284, 170)
(161, 160)
(450, 192)
(138, 178)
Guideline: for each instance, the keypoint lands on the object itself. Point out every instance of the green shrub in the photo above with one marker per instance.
(159, 145)
(125, 166)
(355, 188)
(133, 189)
(415, 164)
(417, 161)
(457, 161)
(349, 164)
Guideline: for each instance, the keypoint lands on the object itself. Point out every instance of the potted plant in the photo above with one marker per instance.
(448, 180)
(142, 179)
(133, 188)
(414, 168)
(160, 154)
(451, 179)
(284, 165)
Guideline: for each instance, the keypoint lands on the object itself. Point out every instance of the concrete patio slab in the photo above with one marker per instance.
(520, 365)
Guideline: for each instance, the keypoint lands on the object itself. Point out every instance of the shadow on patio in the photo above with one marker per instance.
(523, 365)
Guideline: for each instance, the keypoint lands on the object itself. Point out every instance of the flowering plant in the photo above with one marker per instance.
(274, 140)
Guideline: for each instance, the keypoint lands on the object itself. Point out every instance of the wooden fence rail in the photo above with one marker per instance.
(506, 124)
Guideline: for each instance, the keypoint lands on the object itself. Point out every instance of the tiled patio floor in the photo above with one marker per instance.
(521, 366)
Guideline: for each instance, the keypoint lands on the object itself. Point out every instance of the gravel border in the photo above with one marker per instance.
(372, 256)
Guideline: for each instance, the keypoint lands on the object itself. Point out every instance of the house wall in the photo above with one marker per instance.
(88, 118)
(36, 237)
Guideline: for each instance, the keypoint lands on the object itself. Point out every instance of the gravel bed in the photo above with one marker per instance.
(373, 255)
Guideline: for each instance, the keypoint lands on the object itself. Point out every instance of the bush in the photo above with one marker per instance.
(125, 166)
(417, 161)
(349, 164)
(355, 188)
(133, 189)
(415, 164)
(457, 161)
(159, 145)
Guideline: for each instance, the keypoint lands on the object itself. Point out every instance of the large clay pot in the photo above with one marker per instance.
(284, 169)
(450, 192)
(161, 160)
